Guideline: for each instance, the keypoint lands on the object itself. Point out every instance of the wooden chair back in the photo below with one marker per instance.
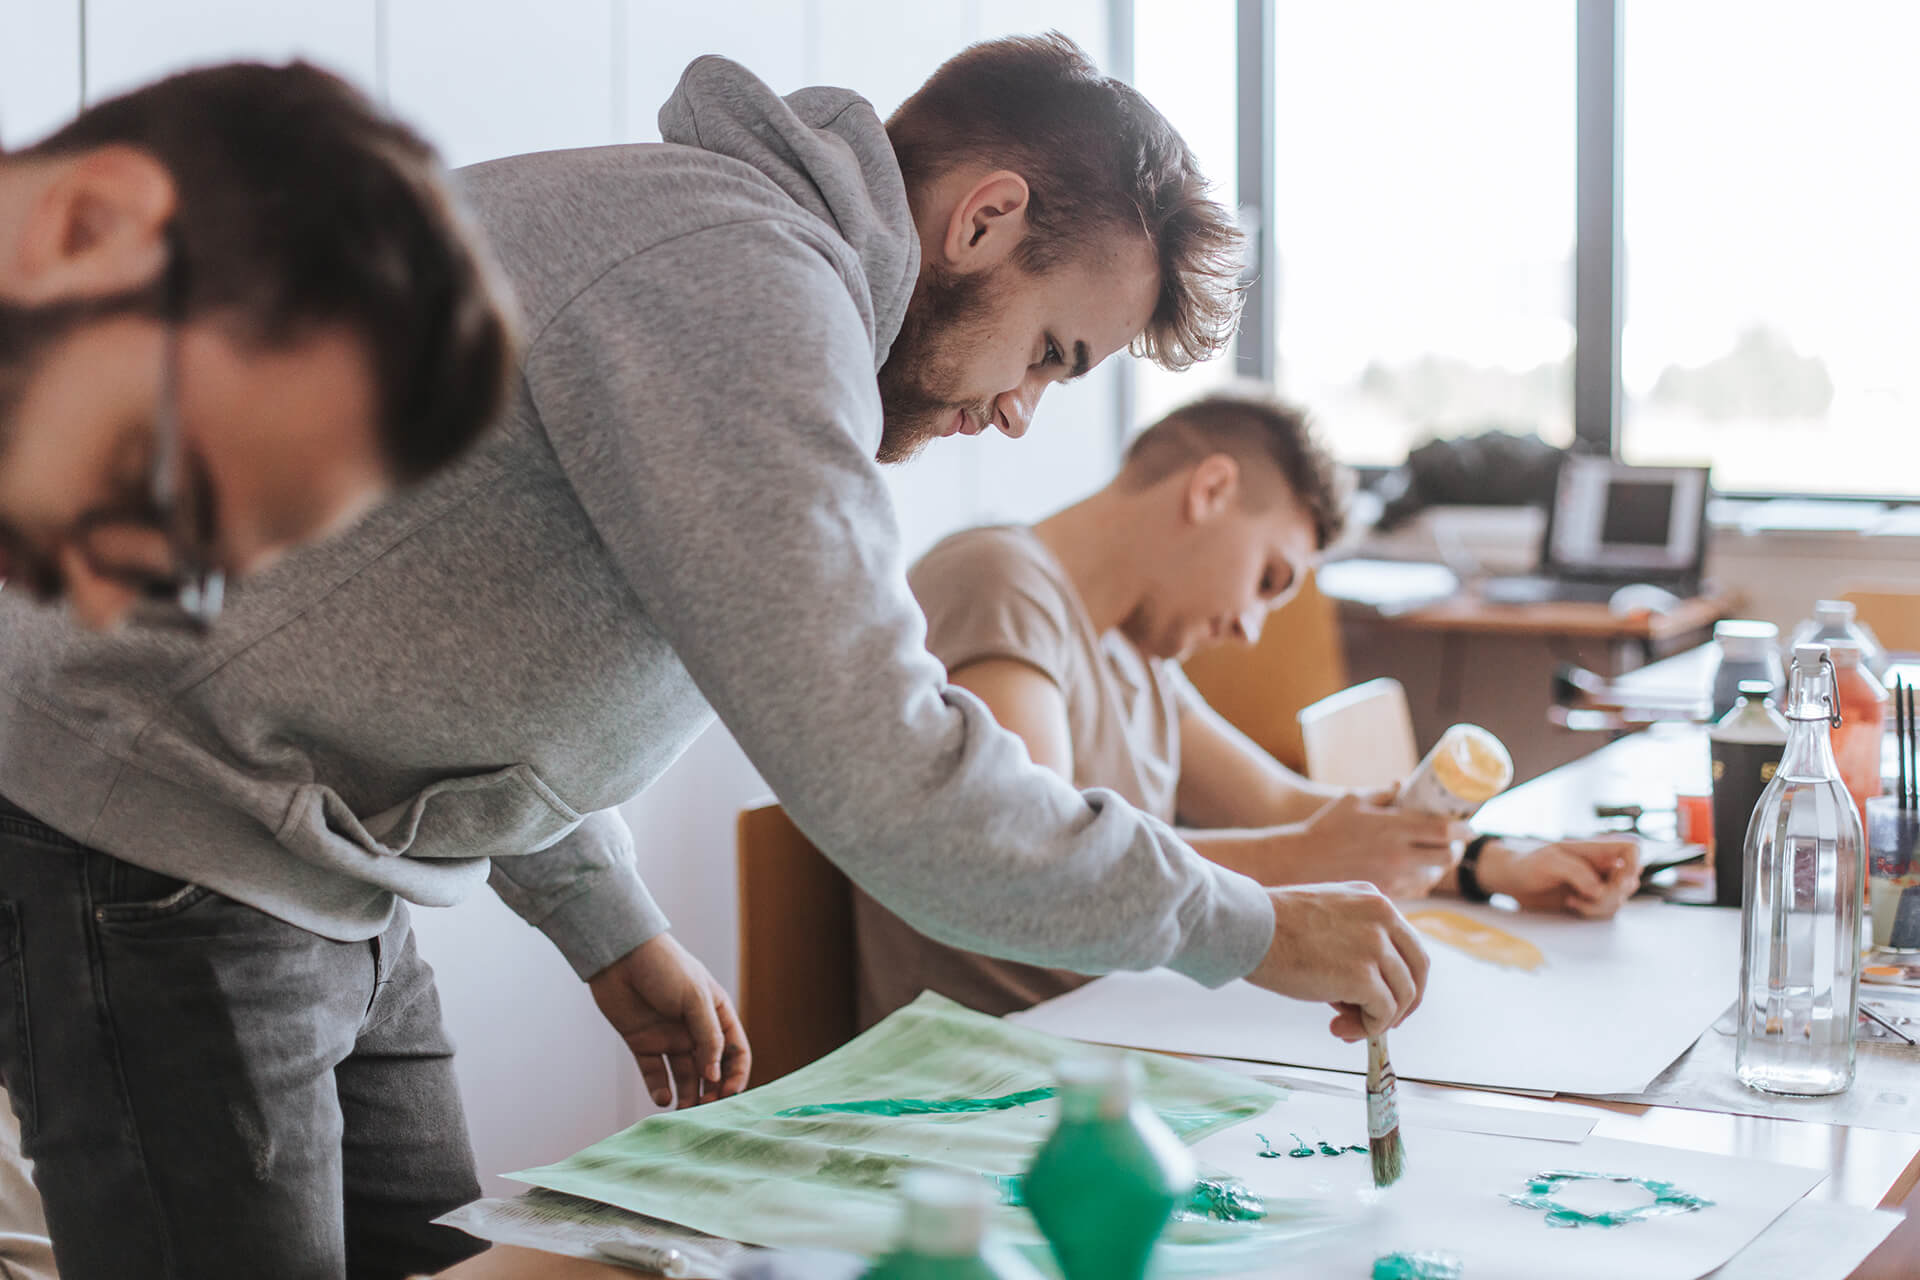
(1261, 689)
(797, 962)
(1892, 613)
(1360, 737)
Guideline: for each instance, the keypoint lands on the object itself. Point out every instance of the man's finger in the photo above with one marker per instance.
(1347, 1024)
(1578, 874)
(738, 1059)
(653, 1070)
(1413, 954)
(704, 1026)
(686, 1079)
(1377, 1006)
(1399, 980)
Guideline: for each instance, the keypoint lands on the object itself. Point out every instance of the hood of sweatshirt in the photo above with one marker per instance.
(827, 149)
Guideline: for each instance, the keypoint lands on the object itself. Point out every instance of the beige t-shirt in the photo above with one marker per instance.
(999, 593)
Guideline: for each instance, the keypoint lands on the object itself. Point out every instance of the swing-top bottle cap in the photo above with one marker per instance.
(1809, 655)
(1111, 1081)
(946, 1213)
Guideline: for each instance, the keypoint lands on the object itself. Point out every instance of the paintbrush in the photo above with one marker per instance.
(1383, 1115)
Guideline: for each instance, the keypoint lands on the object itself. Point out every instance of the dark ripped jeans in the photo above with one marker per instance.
(209, 1092)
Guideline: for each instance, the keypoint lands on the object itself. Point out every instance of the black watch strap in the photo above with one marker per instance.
(1467, 874)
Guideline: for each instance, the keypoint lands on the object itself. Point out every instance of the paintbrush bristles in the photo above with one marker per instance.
(1383, 1116)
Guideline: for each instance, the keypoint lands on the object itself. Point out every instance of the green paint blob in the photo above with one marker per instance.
(1222, 1200)
(1667, 1199)
(924, 1107)
(1417, 1266)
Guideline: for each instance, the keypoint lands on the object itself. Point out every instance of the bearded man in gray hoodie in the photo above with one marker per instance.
(224, 1050)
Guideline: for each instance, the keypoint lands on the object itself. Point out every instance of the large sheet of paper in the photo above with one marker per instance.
(1608, 1007)
(828, 1177)
(1453, 1200)
(814, 1161)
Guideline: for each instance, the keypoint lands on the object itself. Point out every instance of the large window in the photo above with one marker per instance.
(1772, 198)
(1424, 218)
(1765, 230)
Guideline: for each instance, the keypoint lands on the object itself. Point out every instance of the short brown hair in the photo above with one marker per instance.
(299, 204)
(1097, 159)
(1250, 427)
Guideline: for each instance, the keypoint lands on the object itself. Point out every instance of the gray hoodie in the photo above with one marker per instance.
(680, 515)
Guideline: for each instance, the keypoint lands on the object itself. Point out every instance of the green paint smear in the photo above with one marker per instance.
(1221, 1199)
(1667, 1199)
(924, 1107)
(1417, 1266)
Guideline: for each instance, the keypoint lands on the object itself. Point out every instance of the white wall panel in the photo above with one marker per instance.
(502, 78)
(884, 49)
(1084, 21)
(39, 67)
(771, 38)
(132, 41)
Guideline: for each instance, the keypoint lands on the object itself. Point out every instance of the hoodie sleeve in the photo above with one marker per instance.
(584, 893)
(713, 402)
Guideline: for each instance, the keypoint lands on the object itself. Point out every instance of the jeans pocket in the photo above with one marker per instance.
(16, 1047)
(132, 894)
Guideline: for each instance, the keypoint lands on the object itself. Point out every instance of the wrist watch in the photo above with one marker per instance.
(1467, 873)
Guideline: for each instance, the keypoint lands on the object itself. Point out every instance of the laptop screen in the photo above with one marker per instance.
(1613, 520)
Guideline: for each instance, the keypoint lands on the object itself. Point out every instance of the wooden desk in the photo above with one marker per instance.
(1465, 659)
(1868, 1168)
(1469, 614)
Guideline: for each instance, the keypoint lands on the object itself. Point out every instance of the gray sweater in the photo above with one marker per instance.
(680, 515)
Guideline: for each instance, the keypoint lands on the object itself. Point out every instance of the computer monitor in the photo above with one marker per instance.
(1610, 521)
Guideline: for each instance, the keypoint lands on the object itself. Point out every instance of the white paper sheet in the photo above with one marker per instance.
(1551, 1122)
(1452, 1199)
(1614, 1004)
(1814, 1240)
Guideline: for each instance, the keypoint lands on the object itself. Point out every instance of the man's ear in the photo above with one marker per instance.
(1211, 488)
(96, 228)
(987, 222)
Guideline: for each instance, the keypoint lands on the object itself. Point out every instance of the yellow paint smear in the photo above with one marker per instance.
(1481, 941)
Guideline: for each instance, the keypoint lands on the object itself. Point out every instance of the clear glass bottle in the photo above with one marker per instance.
(1805, 858)
(1744, 649)
(944, 1235)
(1837, 620)
(1859, 742)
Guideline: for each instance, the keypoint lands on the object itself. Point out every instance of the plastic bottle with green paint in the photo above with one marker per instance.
(944, 1237)
(1108, 1179)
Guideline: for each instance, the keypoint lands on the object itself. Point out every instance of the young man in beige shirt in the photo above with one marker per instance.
(1072, 631)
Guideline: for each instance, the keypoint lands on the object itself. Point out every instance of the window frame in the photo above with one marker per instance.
(1598, 392)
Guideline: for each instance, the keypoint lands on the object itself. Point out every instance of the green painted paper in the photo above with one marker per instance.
(1543, 1190)
(792, 1164)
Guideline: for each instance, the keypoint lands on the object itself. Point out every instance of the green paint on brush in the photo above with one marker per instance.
(1667, 1199)
(923, 1106)
(1417, 1266)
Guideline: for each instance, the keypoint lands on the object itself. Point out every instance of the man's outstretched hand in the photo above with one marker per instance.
(1347, 945)
(678, 1022)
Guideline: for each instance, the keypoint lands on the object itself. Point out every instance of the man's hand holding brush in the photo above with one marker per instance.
(1348, 945)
